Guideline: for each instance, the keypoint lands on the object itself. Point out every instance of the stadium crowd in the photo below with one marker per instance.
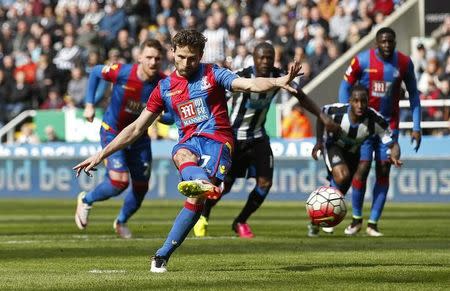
(47, 48)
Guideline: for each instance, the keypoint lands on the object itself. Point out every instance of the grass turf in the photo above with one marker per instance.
(41, 248)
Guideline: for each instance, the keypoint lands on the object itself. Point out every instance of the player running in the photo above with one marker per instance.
(253, 156)
(341, 151)
(381, 71)
(194, 95)
(133, 83)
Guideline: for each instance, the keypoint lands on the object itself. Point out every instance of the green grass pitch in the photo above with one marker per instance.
(41, 249)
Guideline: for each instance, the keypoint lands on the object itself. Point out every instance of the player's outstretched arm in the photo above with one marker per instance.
(319, 139)
(265, 84)
(126, 137)
(312, 107)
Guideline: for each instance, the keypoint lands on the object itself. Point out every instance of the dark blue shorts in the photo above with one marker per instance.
(136, 158)
(374, 145)
(215, 157)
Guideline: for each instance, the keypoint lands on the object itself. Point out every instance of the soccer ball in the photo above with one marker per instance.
(326, 207)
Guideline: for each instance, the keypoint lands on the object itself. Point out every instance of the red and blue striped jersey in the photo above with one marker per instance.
(129, 93)
(383, 79)
(198, 104)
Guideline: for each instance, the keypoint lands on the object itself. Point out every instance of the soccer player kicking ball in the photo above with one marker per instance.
(194, 95)
(133, 83)
(341, 151)
(253, 156)
(381, 71)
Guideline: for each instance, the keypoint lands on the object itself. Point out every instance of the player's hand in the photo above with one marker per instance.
(315, 151)
(329, 123)
(89, 112)
(293, 72)
(416, 136)
(394, 157)
(88, 165)
(397, 163)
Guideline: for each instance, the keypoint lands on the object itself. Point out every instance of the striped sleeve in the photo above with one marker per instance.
(381, 127)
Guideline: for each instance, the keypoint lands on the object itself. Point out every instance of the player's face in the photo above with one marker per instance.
(386, 45)
(358, 103)
(264, 59)
(187, 60)
(150, 60)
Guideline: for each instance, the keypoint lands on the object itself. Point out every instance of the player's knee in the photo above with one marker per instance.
(263, 190)
(363, 170)
(182, 156)
(341, 177)
(120, 185)
(383, 169)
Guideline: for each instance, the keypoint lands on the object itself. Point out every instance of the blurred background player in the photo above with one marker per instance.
(381, 71)
(194, 95)
(133, 84)
(341, 151)
(253, 156)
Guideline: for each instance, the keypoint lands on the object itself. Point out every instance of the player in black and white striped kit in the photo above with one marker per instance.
(341, 151)
(253, 156)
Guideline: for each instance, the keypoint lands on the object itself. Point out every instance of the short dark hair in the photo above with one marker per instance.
(153, 43)
(359, 88)
(264, 45)
(384, 30)
(189, 37)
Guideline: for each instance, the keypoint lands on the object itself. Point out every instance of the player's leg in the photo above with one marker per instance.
(359, 181)
(238, 169)
(380, 189)
(262, 160)
(216, 159)
(139, 159)
(115, 182)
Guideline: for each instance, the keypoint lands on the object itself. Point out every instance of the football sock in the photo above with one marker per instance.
(105, 190)
(254, 201)
(356, 221)
(358, 191)
(372, 225)
(379, 198)
(184, 222)
(133, 200)
(191, 171)
(209, 204)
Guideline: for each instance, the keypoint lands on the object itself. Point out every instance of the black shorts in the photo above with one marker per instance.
(252, 159)
(335, 155)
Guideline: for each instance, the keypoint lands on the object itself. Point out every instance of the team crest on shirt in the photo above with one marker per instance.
(380, 88)
(193, 111)
(205, 83)
(108, 68)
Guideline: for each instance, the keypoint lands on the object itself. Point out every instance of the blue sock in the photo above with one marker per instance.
(191, 171)
(133, 201)
(184, 222)
(379, 198)
(105, 190)
(358, 191)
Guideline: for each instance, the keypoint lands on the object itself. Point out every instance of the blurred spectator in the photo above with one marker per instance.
(419, 60)
(275, 10)
(429, 77)
(27, 134)
(327, 8)
(320, 59)
(93, 16)
(53, 100)
(66, 59)
(242, 59)
(124, 45)
(284, 40)
(46, 45)
(362, 19)
(50, 134)
(316, 22)
(21, 37)
(24, 64)
(384, 6)
(112, 22)
(5, 91)
(46, 76)
(20, 98)
(217, 37)
(297, 124)
(339, 26)
(77, 87)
